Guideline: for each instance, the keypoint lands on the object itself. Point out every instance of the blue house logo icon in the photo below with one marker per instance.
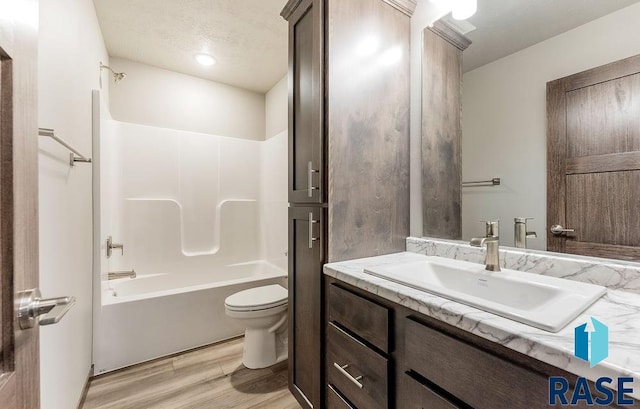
(592, 338)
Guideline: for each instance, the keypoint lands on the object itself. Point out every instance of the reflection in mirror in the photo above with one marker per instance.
(517, 48)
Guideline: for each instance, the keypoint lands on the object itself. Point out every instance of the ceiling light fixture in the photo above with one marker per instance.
(205, 59)
(463, 9)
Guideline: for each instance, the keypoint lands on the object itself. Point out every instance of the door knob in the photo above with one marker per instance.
(557, 230)
(33, 308)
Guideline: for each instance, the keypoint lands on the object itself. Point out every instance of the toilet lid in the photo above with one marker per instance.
(259, 298)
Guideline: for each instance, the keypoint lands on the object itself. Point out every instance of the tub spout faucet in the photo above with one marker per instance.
(114, 275)
(492, 241)
(112, 246)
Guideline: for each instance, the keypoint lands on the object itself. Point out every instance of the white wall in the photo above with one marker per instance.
(277, 108)
(504, 120)
(70, 48)
(166, 99)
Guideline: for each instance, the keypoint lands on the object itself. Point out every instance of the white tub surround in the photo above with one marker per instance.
(620, 310)
(201, 217)
(180, 201)
(613, 274)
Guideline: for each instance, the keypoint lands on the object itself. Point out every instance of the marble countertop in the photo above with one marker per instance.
(619, 310)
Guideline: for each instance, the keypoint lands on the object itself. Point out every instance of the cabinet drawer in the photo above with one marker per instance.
(364, 318)
(347, 360)
(335, 400)
(474, 376)
(418, 396)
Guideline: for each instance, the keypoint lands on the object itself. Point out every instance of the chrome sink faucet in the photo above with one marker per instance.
(492, 241)
(520, 232)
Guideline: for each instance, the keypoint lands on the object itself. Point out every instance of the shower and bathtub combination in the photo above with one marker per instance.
(200, 218)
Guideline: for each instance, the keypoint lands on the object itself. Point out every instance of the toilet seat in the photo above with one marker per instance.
(258, 299)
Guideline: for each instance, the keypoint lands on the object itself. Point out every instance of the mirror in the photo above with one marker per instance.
(518, 47)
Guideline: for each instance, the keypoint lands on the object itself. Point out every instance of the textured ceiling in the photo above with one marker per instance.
(508, 26)
(248, 38)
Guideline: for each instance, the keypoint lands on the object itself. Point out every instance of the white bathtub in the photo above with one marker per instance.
(160, 314)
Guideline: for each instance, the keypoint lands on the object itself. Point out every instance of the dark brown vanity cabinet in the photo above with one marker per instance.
(445, 367)
(306, 142)
(306, 257)
(307, 220)
(348, 167)
(357, 345)
(428, 364)
(462, 372)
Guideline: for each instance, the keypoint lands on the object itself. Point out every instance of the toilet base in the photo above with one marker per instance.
(263, 348)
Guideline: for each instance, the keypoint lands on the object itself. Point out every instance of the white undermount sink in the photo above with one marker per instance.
(543, 302)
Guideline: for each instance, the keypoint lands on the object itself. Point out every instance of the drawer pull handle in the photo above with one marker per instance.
(343, 370)
(310, 172)
(311, 223)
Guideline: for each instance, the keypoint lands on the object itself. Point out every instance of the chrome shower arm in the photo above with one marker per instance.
(117, 76)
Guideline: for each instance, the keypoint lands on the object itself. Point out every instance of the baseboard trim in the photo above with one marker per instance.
(85, 390)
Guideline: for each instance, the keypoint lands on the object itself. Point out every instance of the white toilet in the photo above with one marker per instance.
(264, 313)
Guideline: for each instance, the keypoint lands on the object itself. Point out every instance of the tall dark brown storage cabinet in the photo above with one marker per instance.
(348, 155)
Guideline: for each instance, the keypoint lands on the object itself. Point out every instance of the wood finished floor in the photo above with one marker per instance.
(208, 378)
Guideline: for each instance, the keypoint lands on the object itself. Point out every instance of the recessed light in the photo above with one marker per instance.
(205, 59)
(463, 9)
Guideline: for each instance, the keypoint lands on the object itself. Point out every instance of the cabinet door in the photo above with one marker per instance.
(306, 257)
(306, 165)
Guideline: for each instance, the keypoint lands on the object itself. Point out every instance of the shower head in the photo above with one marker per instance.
(117, 76)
